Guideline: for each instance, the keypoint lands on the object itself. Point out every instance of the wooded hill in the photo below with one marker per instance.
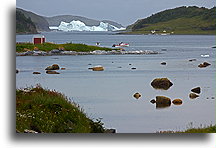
(181, 20)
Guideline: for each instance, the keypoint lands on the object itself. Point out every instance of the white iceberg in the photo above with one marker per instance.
(80, 26)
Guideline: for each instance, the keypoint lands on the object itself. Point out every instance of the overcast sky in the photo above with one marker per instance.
(124, 12)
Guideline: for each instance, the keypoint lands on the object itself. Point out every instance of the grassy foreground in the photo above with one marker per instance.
(47, 111)
(21, 47)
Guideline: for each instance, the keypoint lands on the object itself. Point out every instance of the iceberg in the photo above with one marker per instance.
(77, 25)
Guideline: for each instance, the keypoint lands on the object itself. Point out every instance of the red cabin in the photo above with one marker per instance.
(38, 39)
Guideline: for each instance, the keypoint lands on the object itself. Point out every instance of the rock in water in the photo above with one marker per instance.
(53, 67)
(196, 90)
(153, 101)
(36, 73)
(177, 101)
(17, 71)
(193, 95)
(162, 102)
(52, 72)
(163, 63)
(203, 65)
(98, 68)
(161, 83)
(137, 95)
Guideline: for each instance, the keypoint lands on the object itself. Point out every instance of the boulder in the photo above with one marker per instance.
(98, 68)
(204, 64)
(161, 83)
(53, 67)
(177, 101)
(36, 72)
(52, 72)
(193, 95)
(196, 90)
(137, 95)
(162, 102)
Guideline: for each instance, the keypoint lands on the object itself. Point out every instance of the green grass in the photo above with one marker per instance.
(20, 47)
(48, 111)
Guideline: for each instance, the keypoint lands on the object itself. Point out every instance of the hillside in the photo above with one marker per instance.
(24, 25)
(39, 21)
(181, 20)
(56, 20)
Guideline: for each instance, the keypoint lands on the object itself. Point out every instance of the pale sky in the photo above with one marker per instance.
(124, 12)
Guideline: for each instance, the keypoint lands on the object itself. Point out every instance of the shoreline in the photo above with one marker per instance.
(74, 53)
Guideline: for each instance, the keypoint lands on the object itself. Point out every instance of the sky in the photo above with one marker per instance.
(125, 12)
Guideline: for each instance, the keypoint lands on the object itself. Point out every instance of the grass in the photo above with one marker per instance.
(21, 47)
(48, 111)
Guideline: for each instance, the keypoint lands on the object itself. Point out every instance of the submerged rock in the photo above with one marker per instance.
(161, 83)
(52, 72)
(196, 90)
(193, 95)
(137, 95)
(177, 101)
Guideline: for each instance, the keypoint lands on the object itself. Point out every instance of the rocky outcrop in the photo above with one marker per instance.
(137, 95)
(161, 83)
(196, 90)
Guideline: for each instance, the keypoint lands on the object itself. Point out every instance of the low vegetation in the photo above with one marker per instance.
(48, 111)
(21, 47)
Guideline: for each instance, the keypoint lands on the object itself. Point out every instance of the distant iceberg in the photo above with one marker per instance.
(80, 26)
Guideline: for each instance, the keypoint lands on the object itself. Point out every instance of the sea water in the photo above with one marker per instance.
(108, 94)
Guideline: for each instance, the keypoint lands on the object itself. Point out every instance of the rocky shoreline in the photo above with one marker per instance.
(95, 52)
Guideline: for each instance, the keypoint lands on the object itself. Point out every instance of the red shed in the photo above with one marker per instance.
(38, 39)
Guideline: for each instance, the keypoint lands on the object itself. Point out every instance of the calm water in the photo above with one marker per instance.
(109, 94)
